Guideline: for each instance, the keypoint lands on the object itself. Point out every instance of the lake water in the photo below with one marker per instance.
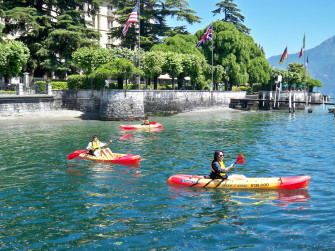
(49, 202)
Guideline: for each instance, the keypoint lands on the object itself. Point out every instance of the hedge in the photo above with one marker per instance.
(41, 86)
(59, 86)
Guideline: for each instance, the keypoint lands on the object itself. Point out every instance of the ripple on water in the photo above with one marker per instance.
(48, 202)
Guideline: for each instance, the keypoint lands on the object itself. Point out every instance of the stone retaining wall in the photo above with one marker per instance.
(118, 104)
(137, 104)
(11, 105)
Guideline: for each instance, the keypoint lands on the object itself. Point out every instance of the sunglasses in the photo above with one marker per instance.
(221, 155)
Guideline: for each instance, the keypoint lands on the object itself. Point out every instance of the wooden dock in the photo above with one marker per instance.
(265, 104)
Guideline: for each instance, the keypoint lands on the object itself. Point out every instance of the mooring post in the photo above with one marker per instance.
(289, 101)
(323, 102)
(263, 98)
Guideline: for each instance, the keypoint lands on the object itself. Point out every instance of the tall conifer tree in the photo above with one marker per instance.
(153, 20)
(231, 14)
(51, 29)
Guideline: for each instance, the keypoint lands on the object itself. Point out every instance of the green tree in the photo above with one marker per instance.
(218, 72)
(90, 58)
(231, 14)
(120, 69)
(13, 58)
(313, 83)
(52, 30)
(153, 65)
(259, 71)
(173, 65)
(153, 20)
(122, 52)
(237, 53)
(274, 73)
(296, 67)
(184, 44)
(2, 35)
(299, 75)
(194, 67)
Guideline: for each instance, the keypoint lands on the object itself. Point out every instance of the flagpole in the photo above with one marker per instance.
(139, 42)
(307, 69)
(287, 67)
(212, 53)
(305, 76)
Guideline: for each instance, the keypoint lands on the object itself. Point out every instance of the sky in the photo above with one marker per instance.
(276, 24)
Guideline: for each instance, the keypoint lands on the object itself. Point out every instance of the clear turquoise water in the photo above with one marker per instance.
(48, 202)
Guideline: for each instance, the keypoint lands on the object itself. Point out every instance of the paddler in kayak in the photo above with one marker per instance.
(95, 148)
(146, 121)
(218, 168)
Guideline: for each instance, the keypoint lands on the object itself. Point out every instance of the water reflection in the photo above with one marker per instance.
(97, 167)
(247, 197)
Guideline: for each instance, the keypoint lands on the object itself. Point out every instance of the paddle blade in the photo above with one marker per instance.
(240, 159)
(75, 154)
(153, 122)
(124, 137)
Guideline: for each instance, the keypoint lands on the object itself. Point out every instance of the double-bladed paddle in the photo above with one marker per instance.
(77, 153)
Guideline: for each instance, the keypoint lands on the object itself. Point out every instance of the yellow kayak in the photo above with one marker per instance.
(289, 183)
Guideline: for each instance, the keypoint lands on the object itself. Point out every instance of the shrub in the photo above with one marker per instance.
(77, 82)
(242, 88)
(40, 86)
(130, 86)
(7, 92)
(256, 87)
(59, 86)
(112, 85)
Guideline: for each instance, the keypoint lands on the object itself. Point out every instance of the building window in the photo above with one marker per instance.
(110, 10)
(93, 21)
(110, 24)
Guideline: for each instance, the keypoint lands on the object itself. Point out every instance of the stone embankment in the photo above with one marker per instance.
(117, 104)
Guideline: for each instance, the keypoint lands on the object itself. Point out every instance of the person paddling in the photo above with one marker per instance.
(146, 121)
(95, 148)
(218, 168)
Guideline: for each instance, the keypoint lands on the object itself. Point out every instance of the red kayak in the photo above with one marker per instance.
(137, 127)
(117, 158)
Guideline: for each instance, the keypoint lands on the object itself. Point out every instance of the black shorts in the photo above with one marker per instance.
(218, 176)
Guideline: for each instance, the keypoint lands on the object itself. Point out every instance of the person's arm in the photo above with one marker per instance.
(106, 144)
(231, 166)
(217, 167)
(89, 146)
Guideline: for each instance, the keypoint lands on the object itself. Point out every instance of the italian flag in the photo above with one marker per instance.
(303, 47)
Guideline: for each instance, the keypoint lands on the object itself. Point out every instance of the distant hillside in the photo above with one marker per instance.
(321, 63)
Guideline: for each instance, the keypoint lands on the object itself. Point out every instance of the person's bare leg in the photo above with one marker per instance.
(104, 153)
(109, 152)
